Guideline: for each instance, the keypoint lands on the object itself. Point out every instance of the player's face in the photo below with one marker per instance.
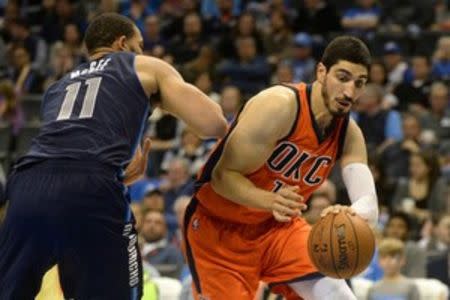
(342, 85)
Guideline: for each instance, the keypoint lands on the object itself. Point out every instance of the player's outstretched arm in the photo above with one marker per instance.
(357, 176)
(266, 119)
(180, 98)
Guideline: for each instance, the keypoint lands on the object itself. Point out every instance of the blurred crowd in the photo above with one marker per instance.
(231, 49)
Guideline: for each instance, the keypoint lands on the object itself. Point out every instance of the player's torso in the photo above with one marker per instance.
(304, 158)
(96, 112)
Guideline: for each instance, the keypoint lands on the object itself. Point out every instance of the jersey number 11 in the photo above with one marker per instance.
(87, 110)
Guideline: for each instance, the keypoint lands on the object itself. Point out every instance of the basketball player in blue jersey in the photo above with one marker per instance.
(67, 202)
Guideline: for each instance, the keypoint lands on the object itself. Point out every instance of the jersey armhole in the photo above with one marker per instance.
(295, 124)
(342, 135)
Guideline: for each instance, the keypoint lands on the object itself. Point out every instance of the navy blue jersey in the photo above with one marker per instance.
(97, 112)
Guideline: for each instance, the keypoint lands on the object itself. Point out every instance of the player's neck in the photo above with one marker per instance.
(320, 111)
(100, 52)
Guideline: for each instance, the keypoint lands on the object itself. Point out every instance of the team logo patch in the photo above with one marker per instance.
(195, 226)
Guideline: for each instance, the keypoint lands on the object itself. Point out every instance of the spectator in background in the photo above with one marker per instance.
(152, 34)
(10, 109)
(153, 199)
(26, 80)
(250, 73)
(164, 131)
(138, 11)
(245, 28)
(186, 46)
(439, 240)
(441, 16)
(384, 185)
(317, 17)
(156, 249)
(191, 149)
(401, 151)
(399, 226)
(56, 16)
(302, 61)
(380, 127)
(35, 45)
(178, 182)
(362, 19)
(393, 285)
(441, 64)
(284, 73)
(437, 120)
(414, 90)
(230, 102)
(424, 191)
(406, 16)
(395, 64)
(73, 40)
(203, 63)
(61, 62)
(277, 37)
(316, 203)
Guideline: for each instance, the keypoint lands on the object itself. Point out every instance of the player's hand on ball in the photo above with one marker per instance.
(287, 204)
(335, 209)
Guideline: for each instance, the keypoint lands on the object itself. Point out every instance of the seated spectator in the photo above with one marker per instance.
(205, 84)
(152, 34)
(26, 80)
(277, 37)
(10, 109)
(399, 226)
(437, 119)
(316, 203)
(137, 11)
(361, 19)
(439, 241)
(393, 285)
(380, 127)
(415, 89)
(186, 46)
(395, 64)
(35, 45)
(302, 61)
(61, 62)
(378, 76)
(441, 16)
(385, 185)
(191, 149)
(73, 40)
(230, 102)
(156, 249)
(424, 191)
(203, 64)
(250, 73)
(400, 151)
(153, 199)
(164, 131)
(441, 64)
(284, 73)
(317, 17)
(178, 182)
(400, 15)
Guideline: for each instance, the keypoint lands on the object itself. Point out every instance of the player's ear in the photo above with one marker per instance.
(321, 72)
(121, 43)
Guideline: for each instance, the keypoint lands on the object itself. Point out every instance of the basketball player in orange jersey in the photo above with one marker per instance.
(244, 222)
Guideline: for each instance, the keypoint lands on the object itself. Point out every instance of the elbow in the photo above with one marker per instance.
(217, 128)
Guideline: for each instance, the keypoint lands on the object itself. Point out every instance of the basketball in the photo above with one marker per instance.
(341, 245)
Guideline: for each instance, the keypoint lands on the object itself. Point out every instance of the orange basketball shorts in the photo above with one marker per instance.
(228, 260)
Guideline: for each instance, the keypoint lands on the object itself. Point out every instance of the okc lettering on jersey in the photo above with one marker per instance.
(287, 159)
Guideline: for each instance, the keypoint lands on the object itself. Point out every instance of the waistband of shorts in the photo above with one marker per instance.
(72, 165)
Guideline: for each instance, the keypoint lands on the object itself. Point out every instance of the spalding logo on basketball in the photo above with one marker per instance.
(341, 245)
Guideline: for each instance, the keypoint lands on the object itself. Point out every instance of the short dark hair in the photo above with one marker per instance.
(402, 216)
(105, 29)
(346, 48)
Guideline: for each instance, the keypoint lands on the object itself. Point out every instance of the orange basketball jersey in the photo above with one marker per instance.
(304, 158)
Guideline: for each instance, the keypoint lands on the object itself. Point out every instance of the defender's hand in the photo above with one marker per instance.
(287, 204)
(138, 165)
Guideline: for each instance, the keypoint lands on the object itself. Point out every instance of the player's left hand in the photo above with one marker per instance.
(335, 209)
(138, 165)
